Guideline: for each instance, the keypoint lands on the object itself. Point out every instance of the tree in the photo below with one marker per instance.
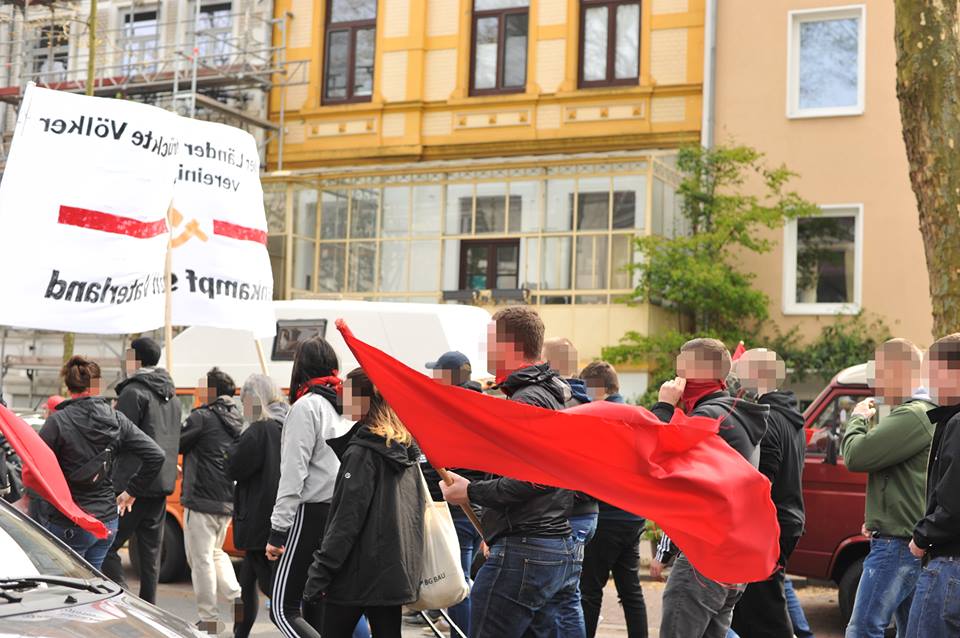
(695, 272)
(928, 73)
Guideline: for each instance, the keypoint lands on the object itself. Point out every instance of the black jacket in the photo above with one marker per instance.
(518, 508)
(782, 451)
(938, 531)
(372, 550)
(254, 463)
(149, 399)
(209, 432)
(78, 432)
(743, 422)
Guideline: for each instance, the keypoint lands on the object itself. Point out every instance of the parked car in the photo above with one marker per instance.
(47, 590)
(832, 547)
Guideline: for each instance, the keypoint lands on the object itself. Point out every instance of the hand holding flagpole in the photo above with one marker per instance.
(448, 480)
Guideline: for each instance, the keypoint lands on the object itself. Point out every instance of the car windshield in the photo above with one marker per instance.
(28, 551)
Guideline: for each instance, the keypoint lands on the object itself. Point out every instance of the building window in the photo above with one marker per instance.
(609, 42)
(212, 33)
(826, 62)
(50, 54)
(499, 46)
(490, 265)
(141, 40)
(822, 262)
(351, 35)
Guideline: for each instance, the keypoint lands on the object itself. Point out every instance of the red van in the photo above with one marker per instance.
(832, 547)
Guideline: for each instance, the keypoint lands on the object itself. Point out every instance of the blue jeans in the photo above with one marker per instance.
(362, 630)
(801, 628)
(516, 589)
(936, 603)
(90, 548)
(890, 575)
(469, 544)
(570, 621)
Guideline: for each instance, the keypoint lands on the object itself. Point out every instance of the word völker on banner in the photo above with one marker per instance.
(105, 128)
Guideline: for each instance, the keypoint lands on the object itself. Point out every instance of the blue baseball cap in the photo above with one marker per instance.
(451, 361)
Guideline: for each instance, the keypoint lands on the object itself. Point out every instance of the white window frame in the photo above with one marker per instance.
(794, 20)
(793, 307)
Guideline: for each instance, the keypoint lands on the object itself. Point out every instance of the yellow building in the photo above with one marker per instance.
(483, 151)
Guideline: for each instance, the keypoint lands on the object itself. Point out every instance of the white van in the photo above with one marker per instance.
(413, 333)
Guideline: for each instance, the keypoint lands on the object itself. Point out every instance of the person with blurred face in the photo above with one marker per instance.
(207, 496)
(148, 398)
(526, 525)
(254, 463)
(936, 537)
(894, 452)
(693, 605)
(453, 368)
(763, 610)
(616, 546)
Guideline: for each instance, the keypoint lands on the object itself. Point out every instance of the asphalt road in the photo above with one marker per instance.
(820, 604)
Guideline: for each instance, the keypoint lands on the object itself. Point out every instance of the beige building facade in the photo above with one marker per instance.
(813, 87)
(484, 151)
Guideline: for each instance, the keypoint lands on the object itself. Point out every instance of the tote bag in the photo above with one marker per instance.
(442, 583)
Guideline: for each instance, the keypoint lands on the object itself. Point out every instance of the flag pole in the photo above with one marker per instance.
(445, 475)
(168, 299)
(261, 356)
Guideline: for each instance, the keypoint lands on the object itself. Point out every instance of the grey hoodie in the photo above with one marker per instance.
(308, 465)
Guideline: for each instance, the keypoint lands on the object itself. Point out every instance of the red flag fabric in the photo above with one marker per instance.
(42, 473)
(711, 502)
(739, 351)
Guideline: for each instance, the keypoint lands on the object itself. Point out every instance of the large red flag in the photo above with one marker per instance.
(42, 473)
(713, 504)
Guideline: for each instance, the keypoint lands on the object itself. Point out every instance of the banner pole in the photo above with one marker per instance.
(466, 508)
(262, 357)
(168, 301)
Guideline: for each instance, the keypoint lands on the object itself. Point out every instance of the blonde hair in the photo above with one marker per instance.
(381, 420)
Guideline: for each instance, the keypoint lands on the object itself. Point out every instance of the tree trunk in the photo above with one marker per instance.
(928, 68)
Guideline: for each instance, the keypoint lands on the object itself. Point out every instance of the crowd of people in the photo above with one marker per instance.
(323, 488)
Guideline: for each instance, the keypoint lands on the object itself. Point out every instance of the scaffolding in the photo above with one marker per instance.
(211, 59)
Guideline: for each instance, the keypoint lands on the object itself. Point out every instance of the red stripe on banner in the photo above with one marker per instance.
(108, 223)
(226, 229)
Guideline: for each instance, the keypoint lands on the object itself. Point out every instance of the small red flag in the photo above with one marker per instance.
(711, 501)
(739, 351)
(42, 473)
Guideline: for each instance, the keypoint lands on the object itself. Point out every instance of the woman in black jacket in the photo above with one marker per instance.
(370, 560)
(87, 435)
(254, 463)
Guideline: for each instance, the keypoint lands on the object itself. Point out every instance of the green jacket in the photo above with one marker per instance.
(895, 453)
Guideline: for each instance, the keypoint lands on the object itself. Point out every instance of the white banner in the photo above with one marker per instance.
(83, 220)
(83, 207)
(219, 235)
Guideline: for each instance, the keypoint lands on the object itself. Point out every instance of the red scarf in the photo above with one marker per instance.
(333, 381)
(696, 390)
(503, 376)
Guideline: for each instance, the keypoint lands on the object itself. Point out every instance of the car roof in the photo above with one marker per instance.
(854, 375)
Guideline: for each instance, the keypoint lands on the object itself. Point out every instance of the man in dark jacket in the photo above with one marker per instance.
(616, 546)
(693, 605)
(525, 526)
(207, 496)
(762, 611)
(149, 399)
(936, 538)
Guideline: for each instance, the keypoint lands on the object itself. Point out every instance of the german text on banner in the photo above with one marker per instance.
(711, 501)
(83, 206)
(219, 232)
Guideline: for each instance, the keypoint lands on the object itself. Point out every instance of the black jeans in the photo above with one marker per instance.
(615, 548)
(339, 621)
(256, 571)
(762, 611)
(144, 523)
